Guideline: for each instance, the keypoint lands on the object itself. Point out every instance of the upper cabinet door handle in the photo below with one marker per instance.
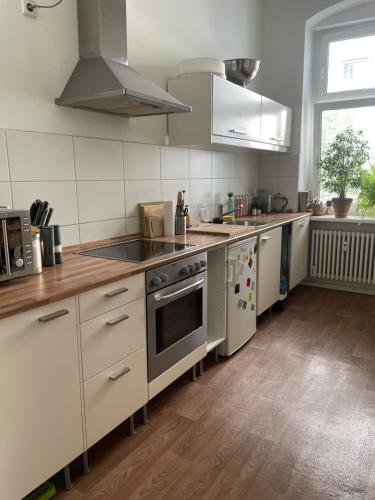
(277, 139)
(54, 315)
(119, 291)
(240, 132)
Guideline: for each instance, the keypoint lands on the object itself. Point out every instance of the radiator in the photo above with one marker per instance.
(346, 256)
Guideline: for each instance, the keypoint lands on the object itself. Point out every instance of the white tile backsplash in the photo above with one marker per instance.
(174, 163)
(95, 185)
(61, 195)
(100, 200)
(200, 192)
(102, 230)
(269, 165)
(5, 194)
(97, 159)
(170, 188)
(288, 186)
(4, 171)
(140, 191)
(222, 164)
(34, 156)
(199, 164)
(141, 161)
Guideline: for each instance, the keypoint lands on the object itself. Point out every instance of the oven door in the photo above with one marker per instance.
(176, 323)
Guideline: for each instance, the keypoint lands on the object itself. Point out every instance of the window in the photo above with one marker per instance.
(344, 88)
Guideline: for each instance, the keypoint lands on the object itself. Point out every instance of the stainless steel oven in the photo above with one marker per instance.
(176, 312)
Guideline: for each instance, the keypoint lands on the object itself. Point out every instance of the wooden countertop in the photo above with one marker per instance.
(80, 273)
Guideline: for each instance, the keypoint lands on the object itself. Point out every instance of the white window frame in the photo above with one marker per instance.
(320, 65)
(323, 100)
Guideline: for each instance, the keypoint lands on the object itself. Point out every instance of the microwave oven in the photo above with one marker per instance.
(16, 253)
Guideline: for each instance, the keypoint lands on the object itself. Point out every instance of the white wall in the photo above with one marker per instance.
(94, 185)
(282, 79)
(38, 55)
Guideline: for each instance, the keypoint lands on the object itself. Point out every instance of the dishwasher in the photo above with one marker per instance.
(241, 294)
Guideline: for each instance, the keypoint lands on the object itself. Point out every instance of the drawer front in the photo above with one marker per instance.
(112, 336)
(110, 402)
(105, 298)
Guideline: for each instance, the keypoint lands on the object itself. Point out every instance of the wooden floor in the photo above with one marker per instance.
(290, 416)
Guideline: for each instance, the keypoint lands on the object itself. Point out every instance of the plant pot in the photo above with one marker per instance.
(318, 211)
(341, 206)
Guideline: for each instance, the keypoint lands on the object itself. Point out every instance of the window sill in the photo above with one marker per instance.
(353, 219)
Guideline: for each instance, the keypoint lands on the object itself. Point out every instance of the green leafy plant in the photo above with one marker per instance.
(316, 203)
(366, 198)
(341, 166)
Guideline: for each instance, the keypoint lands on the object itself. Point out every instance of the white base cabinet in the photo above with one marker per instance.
(269, 265)
(299, 252)
(40, 417)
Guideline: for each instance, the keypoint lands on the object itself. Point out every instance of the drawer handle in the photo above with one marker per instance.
(303, 224)
(265, 238)
(114, 322)
(123, 372)
(119, 291)
(54, 315)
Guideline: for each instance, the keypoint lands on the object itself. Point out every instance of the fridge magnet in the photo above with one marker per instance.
(240, 303)
(244, 305)
(253, 286)
(250, 263)
(248, 282)
(250, 296)
(237, 288)
(241, 269)
(252, 307)
(245, 257)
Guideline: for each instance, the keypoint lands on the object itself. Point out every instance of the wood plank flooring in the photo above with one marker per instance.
(290, 416)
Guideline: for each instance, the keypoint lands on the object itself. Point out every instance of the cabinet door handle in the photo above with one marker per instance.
(277, 139)
(240, 132)
(265, 238)
(302, 224)
(120, 374)
(114, 322)
(119, 291)
(54, 315)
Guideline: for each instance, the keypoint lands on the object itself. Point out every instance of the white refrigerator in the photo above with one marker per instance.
(241, 293)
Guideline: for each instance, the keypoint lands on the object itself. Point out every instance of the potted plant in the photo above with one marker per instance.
(341, 168)
(366, 198)
(317, 207)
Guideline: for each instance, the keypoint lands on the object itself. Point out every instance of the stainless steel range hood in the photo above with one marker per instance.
(102, 80)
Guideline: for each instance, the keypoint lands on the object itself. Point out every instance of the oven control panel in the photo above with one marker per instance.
(163, 276)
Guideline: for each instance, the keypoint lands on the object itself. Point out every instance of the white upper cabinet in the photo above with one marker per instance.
(235, 111)
(227, 115)
(276, 123)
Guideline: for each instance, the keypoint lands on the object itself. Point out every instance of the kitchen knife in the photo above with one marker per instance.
(48, 218)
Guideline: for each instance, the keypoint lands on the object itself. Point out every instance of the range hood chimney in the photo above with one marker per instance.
(102, 80)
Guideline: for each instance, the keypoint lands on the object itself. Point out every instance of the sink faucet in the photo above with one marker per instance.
(220, 220)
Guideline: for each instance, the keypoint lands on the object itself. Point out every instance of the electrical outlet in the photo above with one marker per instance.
(25, 5)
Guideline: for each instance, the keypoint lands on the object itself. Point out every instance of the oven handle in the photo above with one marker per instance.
(158, 297)
(6, 247)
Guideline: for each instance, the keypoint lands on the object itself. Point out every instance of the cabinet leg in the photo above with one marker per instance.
(85, 463)
(68, 481)
(216, 355)
(131, 426)
(144, 415)
(194, 373)
(200, 368)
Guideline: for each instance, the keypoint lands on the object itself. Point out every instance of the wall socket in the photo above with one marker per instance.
(26, 11)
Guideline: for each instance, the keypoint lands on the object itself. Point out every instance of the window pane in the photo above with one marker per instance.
(336, 120)
(351, 64)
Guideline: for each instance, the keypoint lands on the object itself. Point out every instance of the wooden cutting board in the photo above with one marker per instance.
(219, 229)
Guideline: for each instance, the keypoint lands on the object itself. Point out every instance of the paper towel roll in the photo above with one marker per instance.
(169, 212)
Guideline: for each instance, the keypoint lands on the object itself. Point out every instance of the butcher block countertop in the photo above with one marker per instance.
(80, 273)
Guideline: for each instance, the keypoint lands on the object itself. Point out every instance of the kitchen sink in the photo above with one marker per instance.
(246, 223)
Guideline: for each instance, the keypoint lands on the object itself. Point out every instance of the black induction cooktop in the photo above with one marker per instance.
(136, 250)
